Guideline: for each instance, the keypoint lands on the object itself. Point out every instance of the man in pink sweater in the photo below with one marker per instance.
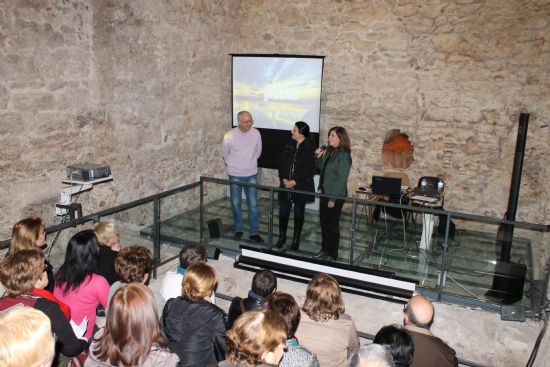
(242, 147)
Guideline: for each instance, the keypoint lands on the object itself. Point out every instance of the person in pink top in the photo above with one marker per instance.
(77, 285)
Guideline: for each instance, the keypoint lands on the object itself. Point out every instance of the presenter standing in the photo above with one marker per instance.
(334, 164)
(296, 170)
(242, 147)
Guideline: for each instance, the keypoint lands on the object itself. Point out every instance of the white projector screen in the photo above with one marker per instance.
(278, 90)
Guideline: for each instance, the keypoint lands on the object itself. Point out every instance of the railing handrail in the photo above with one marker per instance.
(454, 214)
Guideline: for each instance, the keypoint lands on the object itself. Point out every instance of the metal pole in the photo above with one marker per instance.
(156, 235)
(353, 232)
(443, 274)
(201, 211)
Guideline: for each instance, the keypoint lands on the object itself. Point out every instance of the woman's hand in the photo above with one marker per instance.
(330, 204)
(319, 152)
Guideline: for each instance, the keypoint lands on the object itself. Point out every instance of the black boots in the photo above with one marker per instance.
(283, 224)
(298, 225)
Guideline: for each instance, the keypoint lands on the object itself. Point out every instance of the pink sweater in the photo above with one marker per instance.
(84, 300)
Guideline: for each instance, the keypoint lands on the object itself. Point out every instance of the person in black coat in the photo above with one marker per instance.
(194, 327)
(264, 283)
(296, 170)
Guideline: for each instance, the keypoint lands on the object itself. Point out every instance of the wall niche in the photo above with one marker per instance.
(397, 151)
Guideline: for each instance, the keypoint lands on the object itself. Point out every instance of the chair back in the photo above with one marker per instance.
(430, 183)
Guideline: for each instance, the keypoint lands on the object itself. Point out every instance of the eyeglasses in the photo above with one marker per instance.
(405, 307)
(246, 122)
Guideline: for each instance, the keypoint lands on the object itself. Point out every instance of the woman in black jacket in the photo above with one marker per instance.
(296, 170)
(194, 327)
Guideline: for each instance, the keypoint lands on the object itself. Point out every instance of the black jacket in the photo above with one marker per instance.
(299, 165)
(195, 331)
(235, 309)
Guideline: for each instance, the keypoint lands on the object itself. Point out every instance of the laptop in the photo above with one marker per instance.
(383, 185)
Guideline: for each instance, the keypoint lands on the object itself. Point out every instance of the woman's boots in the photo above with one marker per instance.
(298, 225)
(283, 224)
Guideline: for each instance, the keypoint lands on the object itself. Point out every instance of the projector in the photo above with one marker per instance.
(87, 171)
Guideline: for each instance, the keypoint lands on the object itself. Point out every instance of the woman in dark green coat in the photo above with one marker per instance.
(334, 164)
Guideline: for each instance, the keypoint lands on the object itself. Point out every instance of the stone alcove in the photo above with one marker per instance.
(397, 151)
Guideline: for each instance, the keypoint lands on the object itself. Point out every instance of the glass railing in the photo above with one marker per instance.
(458, 265)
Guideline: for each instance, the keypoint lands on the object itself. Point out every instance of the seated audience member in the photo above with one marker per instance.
(26, 338)
(258, 338)
(132, 334)
(283, 304)
(429, 350)
(133, 265)
(28, 234)
(325, 329)
(264, 283)
(171, 283)
(20, 273)
(77, 284)
(194, 327)
(109, 246)
(372, 355)
(398, 342)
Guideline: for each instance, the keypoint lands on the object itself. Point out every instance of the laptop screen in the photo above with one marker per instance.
(383, 185)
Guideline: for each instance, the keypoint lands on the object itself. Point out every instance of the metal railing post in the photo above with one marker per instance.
(201, 211)
(156, 235)
(443, 273)
(270, 219)
(353, 232)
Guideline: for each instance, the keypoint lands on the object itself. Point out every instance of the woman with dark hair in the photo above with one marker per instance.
(296, 170)
(398, 342)
(28, 234)
(334, 164)
(325, 328)
(77, 284)
(256, 339)
(297, 355)
(132, 335)
(21, 273)
(194, 327)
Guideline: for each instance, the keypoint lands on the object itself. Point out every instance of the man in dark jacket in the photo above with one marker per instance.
(429, 350)
(263, 284)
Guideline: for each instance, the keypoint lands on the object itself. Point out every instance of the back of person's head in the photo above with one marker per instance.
(303, 128)
(199, 282)
(398, 342)
(80, 260)
(372, 355)
(255, 334)
(284, 304)
(25, 233)
(105, 232)
(131, 328)
(20, 270)
(264, 283)
(323, 298)
(133, 264)
(419, 311)
(192, 253)
(26, 338)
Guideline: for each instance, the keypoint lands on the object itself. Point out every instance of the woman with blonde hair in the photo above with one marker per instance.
(132, 334)
(195, 328)
(28, 234)
(109, 246)
(258, 338)
(325, 328)
(26, 338)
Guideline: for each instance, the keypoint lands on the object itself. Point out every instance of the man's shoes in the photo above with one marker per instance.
(238, 236)
(320, 255)
(256, 238)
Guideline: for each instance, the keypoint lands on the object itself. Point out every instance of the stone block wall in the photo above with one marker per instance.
(145, 87)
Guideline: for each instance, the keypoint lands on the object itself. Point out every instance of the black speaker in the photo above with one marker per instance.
(215, 228)
(508, 282)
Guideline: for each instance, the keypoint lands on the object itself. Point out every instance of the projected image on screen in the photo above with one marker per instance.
(278, 91)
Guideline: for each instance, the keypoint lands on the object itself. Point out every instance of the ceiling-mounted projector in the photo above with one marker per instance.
(88, 171)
